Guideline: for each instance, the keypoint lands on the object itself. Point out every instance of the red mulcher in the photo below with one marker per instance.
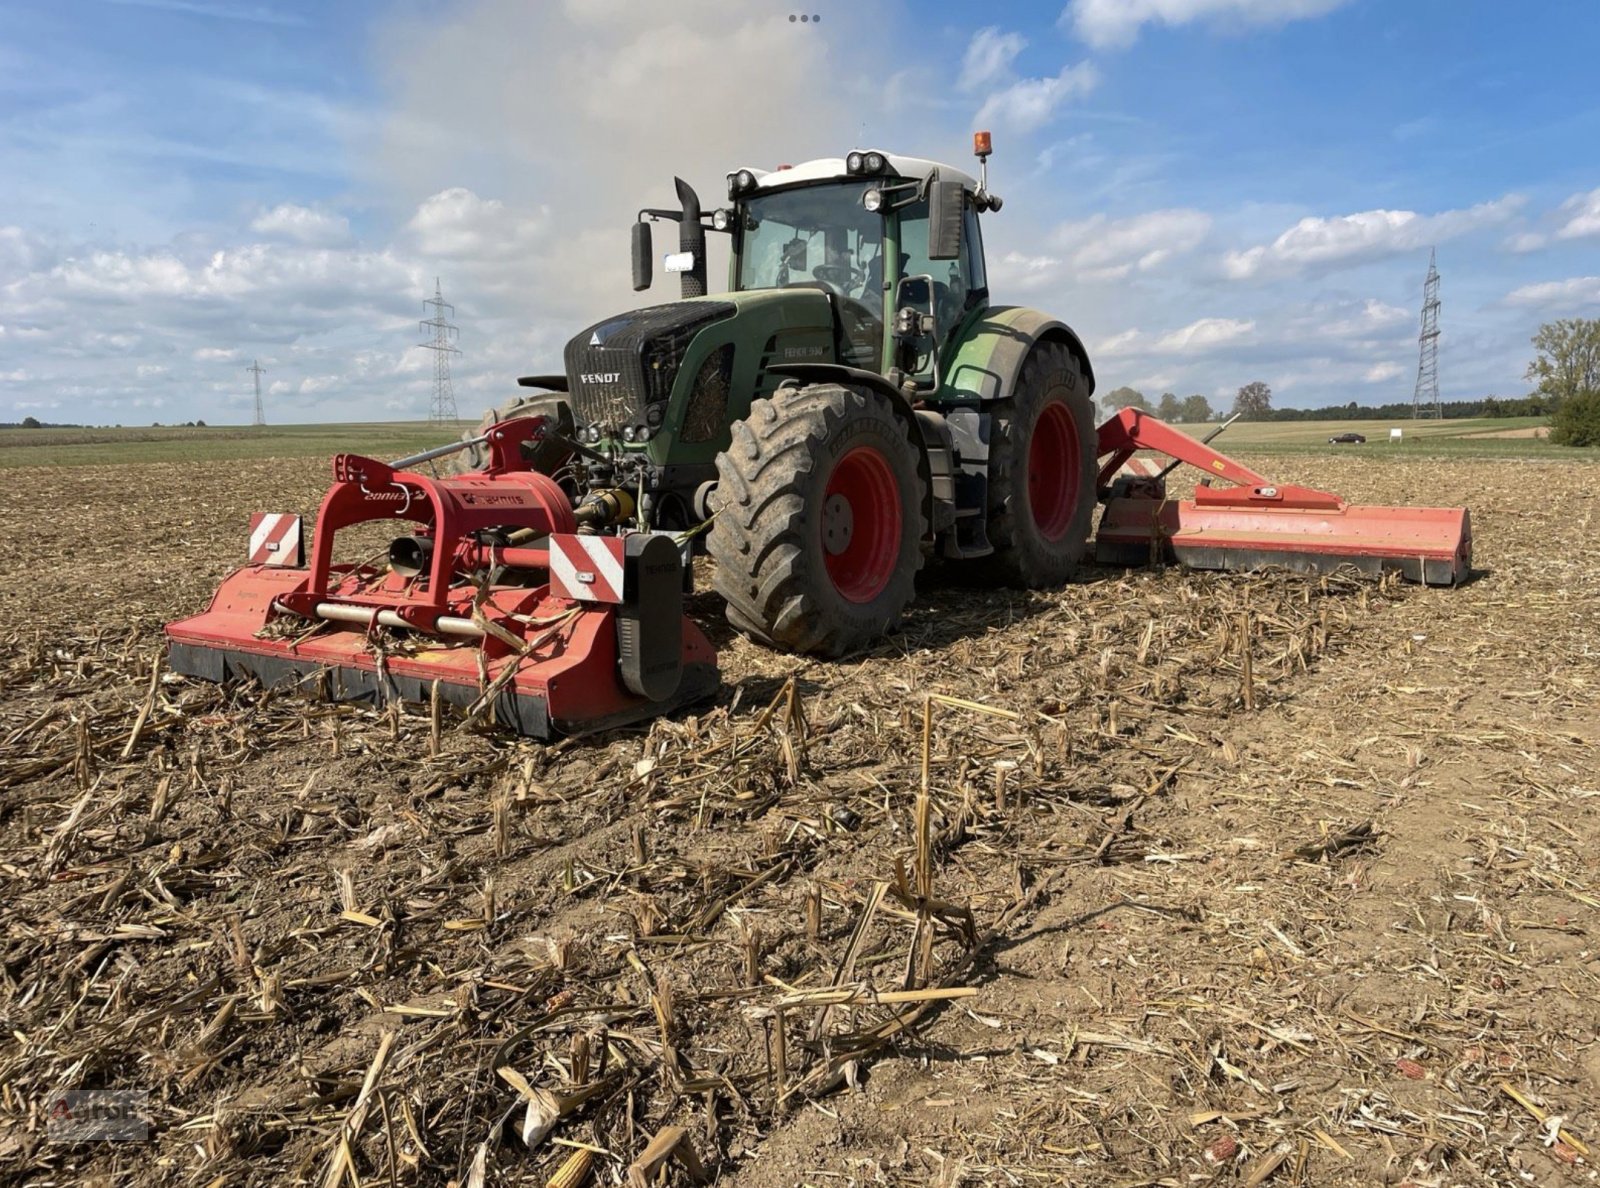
(601, 641)
(1258, 523)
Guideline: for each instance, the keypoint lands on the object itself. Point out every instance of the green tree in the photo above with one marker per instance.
(1568, 362)
(31, 423)
(1196, 410)
(1254, 401)
(1169, 409)
(1577, 421)
(1125, 398)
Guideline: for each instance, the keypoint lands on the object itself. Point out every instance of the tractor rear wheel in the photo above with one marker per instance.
(545, 457)
(1042, 471)
(819, 524)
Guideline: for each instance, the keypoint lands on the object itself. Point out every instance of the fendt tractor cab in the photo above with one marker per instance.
(852, 405)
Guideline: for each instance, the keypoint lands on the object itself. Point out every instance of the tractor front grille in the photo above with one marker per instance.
(619, 367)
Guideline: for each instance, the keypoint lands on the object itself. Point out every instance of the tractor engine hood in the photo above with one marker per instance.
(622, 371)
(619, 367)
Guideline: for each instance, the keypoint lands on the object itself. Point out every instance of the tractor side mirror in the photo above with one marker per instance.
(643, 256)
(944, 220)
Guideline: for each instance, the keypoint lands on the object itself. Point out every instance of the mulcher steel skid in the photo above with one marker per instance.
(852, 406)
(461, 608)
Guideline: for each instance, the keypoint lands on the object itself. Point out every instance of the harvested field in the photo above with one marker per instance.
(1124, 921)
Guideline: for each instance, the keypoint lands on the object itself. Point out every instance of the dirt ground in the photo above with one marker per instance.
(1530, 431)
(1350, 935)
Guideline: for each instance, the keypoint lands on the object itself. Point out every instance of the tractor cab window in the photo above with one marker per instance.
(820, 237)
(956, 283)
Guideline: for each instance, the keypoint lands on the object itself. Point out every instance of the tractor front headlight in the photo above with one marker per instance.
(873, 201)
(630, 434)
(721, 219)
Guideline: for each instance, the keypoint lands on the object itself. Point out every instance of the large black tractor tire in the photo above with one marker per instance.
(546, 457)
(1043, 464)
(819, 520)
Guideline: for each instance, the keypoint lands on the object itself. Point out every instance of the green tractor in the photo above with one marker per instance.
(852, 406)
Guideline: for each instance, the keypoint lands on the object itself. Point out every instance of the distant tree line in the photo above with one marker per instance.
(1254, 403)
(1566, 371)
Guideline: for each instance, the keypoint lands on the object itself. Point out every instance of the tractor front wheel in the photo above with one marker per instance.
(1042, 471)
(819, 524)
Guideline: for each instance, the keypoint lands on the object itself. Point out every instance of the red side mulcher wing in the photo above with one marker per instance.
(1257, 523)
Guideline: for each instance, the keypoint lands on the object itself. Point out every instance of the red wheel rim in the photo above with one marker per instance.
(861, 524)
(1053, 471)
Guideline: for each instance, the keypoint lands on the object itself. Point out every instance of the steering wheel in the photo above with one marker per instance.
(840, 277)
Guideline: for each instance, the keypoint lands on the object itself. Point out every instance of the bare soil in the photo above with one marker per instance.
(1531, 431)
(1350, 935)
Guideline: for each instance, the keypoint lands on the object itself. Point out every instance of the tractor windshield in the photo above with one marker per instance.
(818, 236)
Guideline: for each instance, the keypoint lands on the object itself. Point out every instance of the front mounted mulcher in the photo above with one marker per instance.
(498, 602)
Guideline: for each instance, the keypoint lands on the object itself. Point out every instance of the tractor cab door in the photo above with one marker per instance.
(960, 286)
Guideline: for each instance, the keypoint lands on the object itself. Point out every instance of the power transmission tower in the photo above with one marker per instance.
(261, 416)
(443, 409)
(1425, 399)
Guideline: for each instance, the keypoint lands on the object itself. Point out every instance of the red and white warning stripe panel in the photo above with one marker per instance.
(1140, 468)
(276, 540)
(587, 568)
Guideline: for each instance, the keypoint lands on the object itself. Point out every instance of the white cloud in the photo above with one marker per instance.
(1107, 24)
(301, 224)
(456, 223)
(1196, 338)
(1204, 335)
(1583, 216)
(1030, 102)
(1356, 238)
(1111, 248)
(214, 354)
(989, 56)
(1380, 373)
(1374, 318)
(1100, 248)
(1119, 344)
(1526, 241)
(1575, 291)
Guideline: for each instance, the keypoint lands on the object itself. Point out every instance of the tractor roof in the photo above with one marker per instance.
(833, 169)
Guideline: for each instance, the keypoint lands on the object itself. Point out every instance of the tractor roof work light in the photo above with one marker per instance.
(854, 163)
(741, 182)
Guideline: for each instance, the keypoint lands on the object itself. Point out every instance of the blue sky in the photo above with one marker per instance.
(1210, 191)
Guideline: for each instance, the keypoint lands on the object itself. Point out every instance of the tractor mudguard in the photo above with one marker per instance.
(986, 364)
(856, 377)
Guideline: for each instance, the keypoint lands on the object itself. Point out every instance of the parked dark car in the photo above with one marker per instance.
(1347, 439)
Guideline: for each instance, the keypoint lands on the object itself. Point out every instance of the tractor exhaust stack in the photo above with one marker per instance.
(691, 241)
